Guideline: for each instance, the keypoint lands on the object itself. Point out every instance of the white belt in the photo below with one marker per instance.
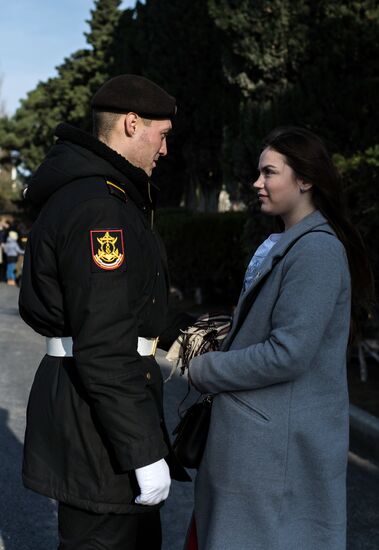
(62, 347)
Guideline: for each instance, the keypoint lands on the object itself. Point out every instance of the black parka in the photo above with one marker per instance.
(95, 270)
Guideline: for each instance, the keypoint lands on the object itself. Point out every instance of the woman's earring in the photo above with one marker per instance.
(302, 190)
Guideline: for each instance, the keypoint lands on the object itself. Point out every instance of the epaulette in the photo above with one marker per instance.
(117, 191)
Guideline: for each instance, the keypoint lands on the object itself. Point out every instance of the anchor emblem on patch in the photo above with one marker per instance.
(107, 248)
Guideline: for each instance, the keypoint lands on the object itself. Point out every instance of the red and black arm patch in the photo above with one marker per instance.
(107, 250)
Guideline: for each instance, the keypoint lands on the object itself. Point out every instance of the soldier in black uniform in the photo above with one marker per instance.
(95, 285)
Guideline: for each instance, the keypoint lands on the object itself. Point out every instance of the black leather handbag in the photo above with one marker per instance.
(191, 433)
(206, 334)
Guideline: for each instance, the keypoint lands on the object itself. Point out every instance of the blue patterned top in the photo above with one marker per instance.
(257, 259)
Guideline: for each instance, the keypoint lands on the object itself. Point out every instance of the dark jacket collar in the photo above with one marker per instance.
(76, 155)
(88, 141)
(137, 176)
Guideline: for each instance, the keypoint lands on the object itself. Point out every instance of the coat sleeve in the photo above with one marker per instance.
(102, 306)
(311, 284)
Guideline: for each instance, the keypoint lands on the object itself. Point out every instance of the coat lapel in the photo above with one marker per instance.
(247, 297)
(313, 221)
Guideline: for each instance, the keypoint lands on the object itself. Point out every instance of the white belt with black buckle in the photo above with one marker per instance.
(62, 347)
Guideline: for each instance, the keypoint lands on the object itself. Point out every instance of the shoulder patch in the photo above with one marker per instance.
(107, 249)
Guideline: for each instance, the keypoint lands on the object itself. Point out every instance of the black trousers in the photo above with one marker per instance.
(83, 530)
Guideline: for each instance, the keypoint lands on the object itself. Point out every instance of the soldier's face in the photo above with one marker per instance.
(150, 143)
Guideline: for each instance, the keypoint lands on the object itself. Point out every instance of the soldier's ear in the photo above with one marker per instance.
(130, 124)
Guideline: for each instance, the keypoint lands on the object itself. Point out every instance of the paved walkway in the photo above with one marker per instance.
(28, 521)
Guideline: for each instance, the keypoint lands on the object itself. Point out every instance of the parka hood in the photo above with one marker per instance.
(76, 155)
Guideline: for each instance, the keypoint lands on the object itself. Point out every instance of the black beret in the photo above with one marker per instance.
(130, 92)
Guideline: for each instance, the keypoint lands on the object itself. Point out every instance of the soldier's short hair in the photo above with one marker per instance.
(103, 123)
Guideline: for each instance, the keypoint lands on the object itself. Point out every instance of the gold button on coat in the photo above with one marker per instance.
(148, 375)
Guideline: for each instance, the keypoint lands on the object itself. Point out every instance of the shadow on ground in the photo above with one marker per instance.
(26, 520)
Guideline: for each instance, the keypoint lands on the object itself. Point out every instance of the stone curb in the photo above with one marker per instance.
(364, 429)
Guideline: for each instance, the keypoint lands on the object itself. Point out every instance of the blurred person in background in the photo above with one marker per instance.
(13, 251)
(4, 227)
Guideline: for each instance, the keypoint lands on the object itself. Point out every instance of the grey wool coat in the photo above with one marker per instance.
(273, 476)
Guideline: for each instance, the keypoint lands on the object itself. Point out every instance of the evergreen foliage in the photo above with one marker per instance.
(176, 44)
(216, 263)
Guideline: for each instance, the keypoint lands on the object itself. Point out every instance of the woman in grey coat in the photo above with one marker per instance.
(273, 475)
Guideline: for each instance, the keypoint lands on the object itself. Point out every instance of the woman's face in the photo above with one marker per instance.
(280, 192)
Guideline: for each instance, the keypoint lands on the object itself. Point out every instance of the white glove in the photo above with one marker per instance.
(154, 482)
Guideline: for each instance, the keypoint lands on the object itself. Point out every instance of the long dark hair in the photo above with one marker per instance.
(308, 157)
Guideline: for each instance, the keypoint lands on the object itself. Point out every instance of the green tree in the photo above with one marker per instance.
(262, 47)
(312, 64)
(10, 185)
(237, 69)
(299, 62)
(103, 22)
(176, 44)
(337, 89)
(360, 175)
